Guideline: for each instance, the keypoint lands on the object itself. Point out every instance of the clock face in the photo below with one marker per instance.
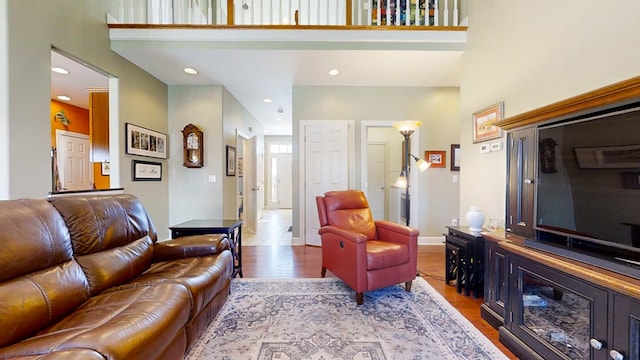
(192, 141)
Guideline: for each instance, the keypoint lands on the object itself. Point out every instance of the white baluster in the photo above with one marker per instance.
(417, 18)
(456, 21)
(388, 13)
(209, 12)
(445, 16)
(436, 14)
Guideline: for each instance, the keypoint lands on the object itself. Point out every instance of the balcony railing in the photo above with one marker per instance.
(387, 13)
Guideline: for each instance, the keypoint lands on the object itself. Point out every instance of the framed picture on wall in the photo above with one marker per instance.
(483, 120)
(455, 157)
(145, 142)
(437, 158)
(146, 170)
(231, 160)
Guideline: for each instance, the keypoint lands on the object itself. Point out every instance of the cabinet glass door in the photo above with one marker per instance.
(557, 315)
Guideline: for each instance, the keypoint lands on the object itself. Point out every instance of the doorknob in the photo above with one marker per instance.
(255, 188)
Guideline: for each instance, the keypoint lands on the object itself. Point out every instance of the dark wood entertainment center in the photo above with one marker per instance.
(548, 306)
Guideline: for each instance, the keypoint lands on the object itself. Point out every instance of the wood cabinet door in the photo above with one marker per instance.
(625, 336)
(520, 182)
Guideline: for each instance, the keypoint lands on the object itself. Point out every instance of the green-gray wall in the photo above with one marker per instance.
(78, 28)
(437, 108)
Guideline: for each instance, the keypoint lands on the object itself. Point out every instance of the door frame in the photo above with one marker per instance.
(414, 180)
(302, 220)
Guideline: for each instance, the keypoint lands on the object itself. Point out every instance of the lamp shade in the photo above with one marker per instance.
(407, 126)
(422, 165)
(401, 182)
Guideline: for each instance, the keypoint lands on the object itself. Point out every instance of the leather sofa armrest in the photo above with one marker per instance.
(190, 246)
(343, 234)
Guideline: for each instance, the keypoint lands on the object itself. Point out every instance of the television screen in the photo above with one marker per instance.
(588, 185)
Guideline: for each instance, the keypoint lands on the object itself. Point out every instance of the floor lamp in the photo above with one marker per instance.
(406, 128)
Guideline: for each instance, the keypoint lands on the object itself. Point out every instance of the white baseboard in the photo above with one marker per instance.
(431, 240)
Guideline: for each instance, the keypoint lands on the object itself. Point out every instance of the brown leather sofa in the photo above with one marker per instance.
(84, 277)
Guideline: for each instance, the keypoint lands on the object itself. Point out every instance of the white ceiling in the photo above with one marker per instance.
(77, 84)
(257, 64)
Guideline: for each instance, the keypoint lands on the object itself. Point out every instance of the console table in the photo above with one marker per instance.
(464, 260)
(231, 227)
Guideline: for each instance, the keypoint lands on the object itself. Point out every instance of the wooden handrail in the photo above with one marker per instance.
(289, 27)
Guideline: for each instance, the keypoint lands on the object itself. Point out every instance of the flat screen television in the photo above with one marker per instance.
(588, 189)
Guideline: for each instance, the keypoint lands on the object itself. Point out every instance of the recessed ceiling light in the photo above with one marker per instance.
(334, 72)
(267, 100)
(279, 119)
(63, 97)
(190, 71)
(60, 70)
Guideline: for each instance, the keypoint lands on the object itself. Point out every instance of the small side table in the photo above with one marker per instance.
(231, 227)
(464, 260)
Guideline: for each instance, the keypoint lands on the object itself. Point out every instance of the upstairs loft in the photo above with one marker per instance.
(269, 45)
(388, 14)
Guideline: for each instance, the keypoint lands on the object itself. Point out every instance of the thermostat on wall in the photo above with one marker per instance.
(484, 148)
(496, 146)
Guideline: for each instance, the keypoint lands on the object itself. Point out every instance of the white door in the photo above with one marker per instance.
(282, 168)
(377, 179)
(326, 168)
(259, 171)
(253, 187)
(74, 167)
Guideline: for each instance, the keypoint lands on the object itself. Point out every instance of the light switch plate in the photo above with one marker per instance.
(484, 148)
(496, 146)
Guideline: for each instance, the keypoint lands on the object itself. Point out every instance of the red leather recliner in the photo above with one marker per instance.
(365, 254)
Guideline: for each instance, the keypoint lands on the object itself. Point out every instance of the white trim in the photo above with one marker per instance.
(5, 149)
(114, 131)
(431, 240)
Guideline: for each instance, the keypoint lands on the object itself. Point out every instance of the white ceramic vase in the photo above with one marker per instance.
(475, 219)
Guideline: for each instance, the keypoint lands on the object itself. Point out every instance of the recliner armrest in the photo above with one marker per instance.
(390, 231)
(342, 233)
(190, 246)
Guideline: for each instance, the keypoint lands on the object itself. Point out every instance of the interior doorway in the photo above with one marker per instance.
(382, 132)
(279, 177)
(82, 99)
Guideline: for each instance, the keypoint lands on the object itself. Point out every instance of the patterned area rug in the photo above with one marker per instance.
(319, 319)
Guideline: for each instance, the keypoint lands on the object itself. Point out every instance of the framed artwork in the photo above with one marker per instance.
(455, 157)
(240, 167)
(146, 170)
(105, 169)
(145, 142)
(437, 158)
(231, 160)
(483, 120)
(610, 157)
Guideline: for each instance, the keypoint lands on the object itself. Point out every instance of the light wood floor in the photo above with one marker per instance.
(263, 258)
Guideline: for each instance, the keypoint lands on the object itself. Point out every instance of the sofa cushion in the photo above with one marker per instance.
(41, 283)
(112, 237)
(134, 323)
(203, 276)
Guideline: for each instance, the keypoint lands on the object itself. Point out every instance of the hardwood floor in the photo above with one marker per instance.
(284, 261)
